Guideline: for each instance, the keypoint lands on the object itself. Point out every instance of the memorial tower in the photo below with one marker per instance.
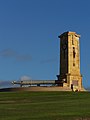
(69, 73)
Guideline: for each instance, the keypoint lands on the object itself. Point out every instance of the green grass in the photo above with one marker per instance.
(44, 105)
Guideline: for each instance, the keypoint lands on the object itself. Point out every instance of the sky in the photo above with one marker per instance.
(29, 30)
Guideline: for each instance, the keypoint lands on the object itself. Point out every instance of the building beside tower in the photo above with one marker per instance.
(69, 73)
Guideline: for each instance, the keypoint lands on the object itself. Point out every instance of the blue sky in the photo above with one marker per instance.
(29, 44)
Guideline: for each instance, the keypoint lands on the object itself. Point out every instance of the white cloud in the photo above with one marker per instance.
(25, 77)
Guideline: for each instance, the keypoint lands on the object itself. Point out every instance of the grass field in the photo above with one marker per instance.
(44, 106)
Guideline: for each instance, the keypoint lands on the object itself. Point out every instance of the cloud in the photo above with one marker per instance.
(23, 57)
(25, 77)
(49, 60)
(11, 53)
(5, 84)
(7, 53)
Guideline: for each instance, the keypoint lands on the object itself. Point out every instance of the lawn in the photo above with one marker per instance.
(44, 106)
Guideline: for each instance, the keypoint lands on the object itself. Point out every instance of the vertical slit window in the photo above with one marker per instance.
(74, 52)
(72, 40)
(73, 64)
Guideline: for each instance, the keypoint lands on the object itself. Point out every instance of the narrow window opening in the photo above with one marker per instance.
(74, 52)
(72, 40)
(73, 64)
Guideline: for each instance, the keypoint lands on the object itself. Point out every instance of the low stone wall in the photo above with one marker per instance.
(36, 89)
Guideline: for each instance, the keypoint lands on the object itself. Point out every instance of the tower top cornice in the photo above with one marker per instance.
(68, 33)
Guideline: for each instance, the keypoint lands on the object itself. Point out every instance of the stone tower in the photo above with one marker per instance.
(70, 61)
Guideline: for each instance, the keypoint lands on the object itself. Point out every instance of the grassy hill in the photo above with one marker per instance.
(44, 106)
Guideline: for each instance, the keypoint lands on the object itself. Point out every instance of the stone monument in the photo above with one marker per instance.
(69, 73)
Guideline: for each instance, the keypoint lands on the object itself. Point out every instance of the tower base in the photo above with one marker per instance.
(72, 81)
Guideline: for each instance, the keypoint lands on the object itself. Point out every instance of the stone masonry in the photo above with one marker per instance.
(70, 61)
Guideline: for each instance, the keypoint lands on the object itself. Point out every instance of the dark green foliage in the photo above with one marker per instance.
(44, 105)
